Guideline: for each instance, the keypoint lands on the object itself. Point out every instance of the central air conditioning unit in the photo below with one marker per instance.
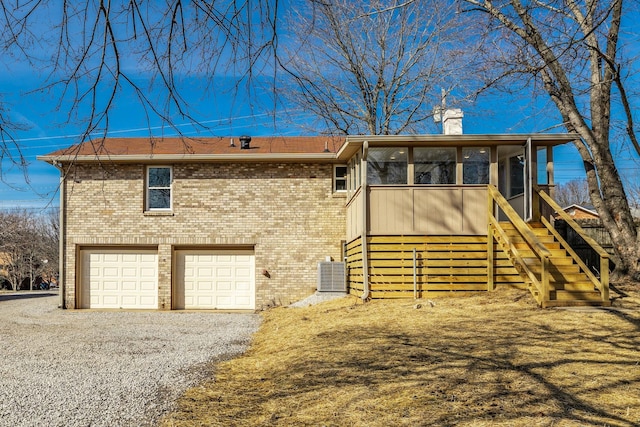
(331, 277)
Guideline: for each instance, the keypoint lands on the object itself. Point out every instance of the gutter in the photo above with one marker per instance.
(365, 225)
(178, 158)
(61, 245)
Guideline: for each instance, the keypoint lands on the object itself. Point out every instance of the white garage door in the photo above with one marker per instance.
(119, 278)
(215, 279)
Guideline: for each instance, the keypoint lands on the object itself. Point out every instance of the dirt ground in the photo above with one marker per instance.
(478, 360)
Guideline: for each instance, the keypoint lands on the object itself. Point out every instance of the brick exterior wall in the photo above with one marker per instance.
(287, 212)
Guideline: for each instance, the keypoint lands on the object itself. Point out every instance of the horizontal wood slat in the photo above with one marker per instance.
(443, 264)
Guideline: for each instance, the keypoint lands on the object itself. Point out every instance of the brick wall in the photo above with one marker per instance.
(286, 211)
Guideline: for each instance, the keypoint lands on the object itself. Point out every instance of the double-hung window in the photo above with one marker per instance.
(339, 178)
(159, 180)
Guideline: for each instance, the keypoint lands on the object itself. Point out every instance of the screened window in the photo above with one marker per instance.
(475, 165)
(434, 165)
(159, 181)
(339, 178)
(354, 172)
(387, 165)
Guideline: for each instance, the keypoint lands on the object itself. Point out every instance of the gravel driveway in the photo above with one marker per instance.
(92, 368)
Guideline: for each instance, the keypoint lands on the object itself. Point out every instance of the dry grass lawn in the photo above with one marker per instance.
(481, 360)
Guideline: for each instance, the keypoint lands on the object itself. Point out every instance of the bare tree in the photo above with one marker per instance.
(574, 192)
(373, 62)
(93, 51)
(572, 51)
(372, 67)
(28, 247)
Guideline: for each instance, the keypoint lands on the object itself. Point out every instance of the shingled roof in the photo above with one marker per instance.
(123, 148)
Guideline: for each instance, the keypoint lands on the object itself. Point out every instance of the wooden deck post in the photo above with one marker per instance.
(490, 269)
(415, 275)
(604, 279)
(544, 281)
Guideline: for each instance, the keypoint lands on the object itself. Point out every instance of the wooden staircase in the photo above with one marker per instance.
(568, 284)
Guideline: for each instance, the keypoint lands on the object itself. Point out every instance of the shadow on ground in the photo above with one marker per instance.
(26, 295)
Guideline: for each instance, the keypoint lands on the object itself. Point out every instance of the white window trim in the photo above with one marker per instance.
(335, 178)
(147, 188)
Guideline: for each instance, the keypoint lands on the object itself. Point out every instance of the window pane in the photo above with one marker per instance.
(159, 199)
(434, 165)
(159, 177)
(516, 175)
(475, 165)
(339, 178)
(387, 165)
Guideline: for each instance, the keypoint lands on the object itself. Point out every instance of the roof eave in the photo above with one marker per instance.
(353, 143)
(183, 158)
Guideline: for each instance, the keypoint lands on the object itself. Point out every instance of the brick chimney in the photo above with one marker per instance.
(452, 121)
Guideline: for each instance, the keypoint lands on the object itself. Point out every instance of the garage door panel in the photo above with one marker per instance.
(120, 279)
(223, 272)
(109, 257)
(213, 280)
(110, 271)
(205, 285)
(129, 271)
(243, 286)
(242, 272)
(204, 271)
(148, 286)
(107, 286)
(223, 300)
(204, 301)
(109, 299)
(224, 286)
(129, 286)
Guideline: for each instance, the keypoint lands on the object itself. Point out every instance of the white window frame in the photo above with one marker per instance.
(344, 178)
(148, 188)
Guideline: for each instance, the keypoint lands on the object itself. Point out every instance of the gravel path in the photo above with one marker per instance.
(92, 368)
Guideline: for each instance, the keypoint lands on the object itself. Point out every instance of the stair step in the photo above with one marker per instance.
(576, 303)
(582, 286)
(524, 245)
(528, 253)
(576, 295)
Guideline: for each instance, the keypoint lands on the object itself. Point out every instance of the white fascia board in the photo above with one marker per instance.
(184, 158)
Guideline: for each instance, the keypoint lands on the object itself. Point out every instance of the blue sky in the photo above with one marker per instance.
(46, 130)
(47, 126)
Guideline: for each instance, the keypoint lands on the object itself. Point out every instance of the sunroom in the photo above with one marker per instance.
(447, 213)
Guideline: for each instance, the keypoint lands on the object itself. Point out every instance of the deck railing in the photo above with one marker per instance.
(495, 231)
(548, 207)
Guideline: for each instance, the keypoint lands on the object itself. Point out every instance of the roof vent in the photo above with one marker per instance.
(245, 142)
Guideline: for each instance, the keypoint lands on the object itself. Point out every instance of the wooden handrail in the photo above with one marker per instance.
(518, 223)
(500, 231)
(541, 252)
(603, 284)
(571, 252)
(572, 223)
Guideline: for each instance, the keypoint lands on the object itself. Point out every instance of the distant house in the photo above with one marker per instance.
(242, 223)
(581, 212)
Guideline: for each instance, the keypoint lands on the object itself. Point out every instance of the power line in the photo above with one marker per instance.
(142, 129)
